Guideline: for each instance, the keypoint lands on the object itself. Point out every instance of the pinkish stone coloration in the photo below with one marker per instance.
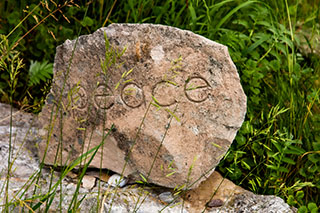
(183, 73)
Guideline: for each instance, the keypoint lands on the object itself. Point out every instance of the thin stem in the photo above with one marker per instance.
(34, 27)
(105, 21)
(9, 159)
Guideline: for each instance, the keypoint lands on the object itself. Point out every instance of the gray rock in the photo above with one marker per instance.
(249, 202)
(23, 134)
(23, 152)
(127, 199)
(197, 103)
(117, 181)
(166, 197)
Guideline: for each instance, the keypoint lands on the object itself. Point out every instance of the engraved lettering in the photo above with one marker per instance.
(165, 93)
(80, 99)
(103, 97)
(132, 95)
(196, 89)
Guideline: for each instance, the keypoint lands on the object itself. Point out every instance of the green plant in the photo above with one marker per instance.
(277, 149)
(10, 67)
(297, 198)
(30, 93)
(270, 146)
(312, 208)
(11, 64)
(259, 49)
(39, 72)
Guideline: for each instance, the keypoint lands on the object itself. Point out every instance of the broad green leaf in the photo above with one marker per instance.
(291, 201)
(302, 209)
(312, 207)
(299, 195)
(288, 160)
(39, 71)
(87, 22)
(192, 13)
(241, 140)
(294, 150)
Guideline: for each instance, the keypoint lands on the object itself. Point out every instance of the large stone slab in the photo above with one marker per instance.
(181, 104)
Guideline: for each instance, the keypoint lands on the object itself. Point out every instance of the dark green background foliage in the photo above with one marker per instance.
(277, 150)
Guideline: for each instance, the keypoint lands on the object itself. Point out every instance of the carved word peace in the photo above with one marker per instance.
(132, 95)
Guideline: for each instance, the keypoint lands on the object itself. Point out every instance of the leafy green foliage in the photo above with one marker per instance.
(277, 149)
(39, 72)
(15, 85)
(272, 140)
(298, 198)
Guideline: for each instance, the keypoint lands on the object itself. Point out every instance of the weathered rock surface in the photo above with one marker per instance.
(233, 198)
(22, 150)
(185, 75)
(23, 135)
(217, 194)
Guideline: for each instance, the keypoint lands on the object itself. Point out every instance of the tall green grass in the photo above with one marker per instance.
(277, 150)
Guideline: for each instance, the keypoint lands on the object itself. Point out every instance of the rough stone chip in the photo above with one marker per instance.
(170, 106)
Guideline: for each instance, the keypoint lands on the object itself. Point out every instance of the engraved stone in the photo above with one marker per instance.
(173, 98)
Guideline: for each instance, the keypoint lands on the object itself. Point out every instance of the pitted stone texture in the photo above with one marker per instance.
(22, 151)
(218, 194)
(188, 76)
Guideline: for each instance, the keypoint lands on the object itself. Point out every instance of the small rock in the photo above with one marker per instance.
(166, 197)
(102, 175)
(88, 182)
(117, 180)
(215, 203)
(72, 175)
